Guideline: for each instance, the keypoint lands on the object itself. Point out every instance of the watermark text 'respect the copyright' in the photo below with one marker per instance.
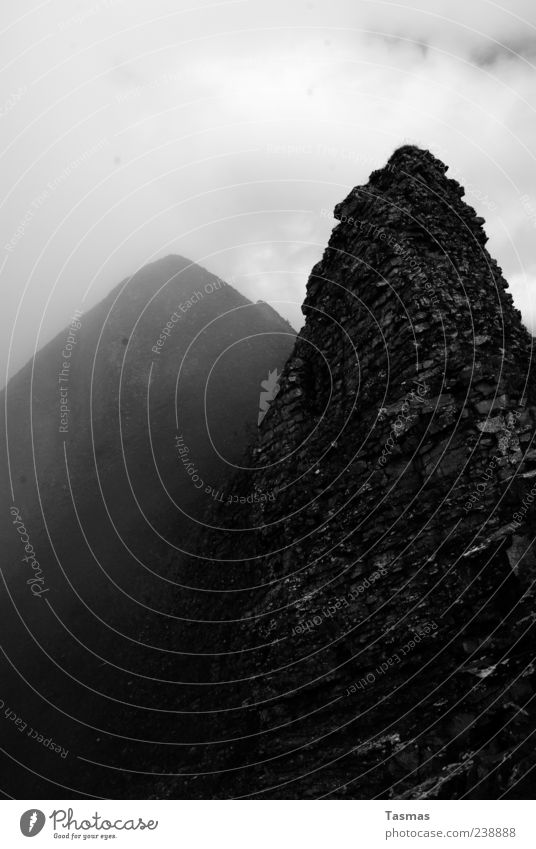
(65, 371)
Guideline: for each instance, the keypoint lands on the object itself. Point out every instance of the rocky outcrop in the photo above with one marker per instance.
(379, 610)
(356, 620)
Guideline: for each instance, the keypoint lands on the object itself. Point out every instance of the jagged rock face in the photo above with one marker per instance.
(110, 503)
(384, 598)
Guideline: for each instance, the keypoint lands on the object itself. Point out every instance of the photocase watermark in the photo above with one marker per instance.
(37, 581)
(46, 193)
(404, 418)
(370, 678)
(22, 727)
(65, 372)
(181, 311)
(32, 822)
(256, 497)
(338, 603)
(270, 388)
(65, 819)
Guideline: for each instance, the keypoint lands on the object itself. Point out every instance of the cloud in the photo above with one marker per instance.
(220, 130)
(456, 26)
(520, 49)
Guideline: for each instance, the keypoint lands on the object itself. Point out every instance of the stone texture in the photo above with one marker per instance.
(380, 609)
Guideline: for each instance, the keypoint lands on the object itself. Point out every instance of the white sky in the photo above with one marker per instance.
(131, 129)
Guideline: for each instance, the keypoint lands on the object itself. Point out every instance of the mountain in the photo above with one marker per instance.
(370, 630)
(118, 437)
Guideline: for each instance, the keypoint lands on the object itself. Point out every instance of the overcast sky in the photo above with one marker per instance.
(131, 129)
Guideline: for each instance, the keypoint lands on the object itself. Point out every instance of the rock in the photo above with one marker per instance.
(422, 504)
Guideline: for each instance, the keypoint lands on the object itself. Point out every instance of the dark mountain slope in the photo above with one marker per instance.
(173, 356)
(383, 642)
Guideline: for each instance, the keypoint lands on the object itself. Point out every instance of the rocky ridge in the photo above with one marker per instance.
(379, 612)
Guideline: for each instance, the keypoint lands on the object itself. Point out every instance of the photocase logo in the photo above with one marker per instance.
(31, 822)
(271, 388)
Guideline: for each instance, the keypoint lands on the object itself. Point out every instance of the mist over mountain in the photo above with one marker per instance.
(336, 603)
(117, 439)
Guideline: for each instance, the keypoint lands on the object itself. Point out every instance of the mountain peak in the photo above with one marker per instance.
(393, 568)
(412, 156)
(413, 189)
(173, 272)
(116, 439)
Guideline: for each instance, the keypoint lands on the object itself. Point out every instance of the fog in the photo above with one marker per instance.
(134, 129)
